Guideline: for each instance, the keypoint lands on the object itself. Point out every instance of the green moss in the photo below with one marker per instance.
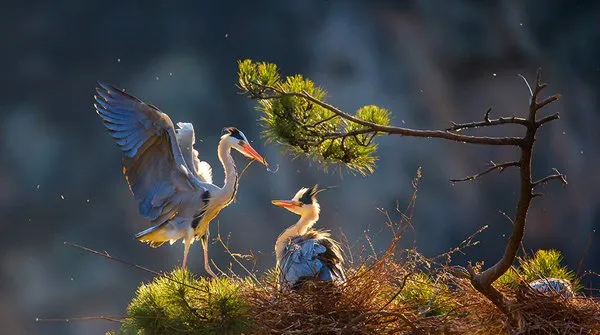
(180, 303)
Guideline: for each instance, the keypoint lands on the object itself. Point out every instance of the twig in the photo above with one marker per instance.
(585, 251)
(397, 292)
(106, 255)
(513, 223)
(493, 166)
(218, 238)
(526, 83)
(547, 119)
(89, 318)
(556, 175)
(487, 122)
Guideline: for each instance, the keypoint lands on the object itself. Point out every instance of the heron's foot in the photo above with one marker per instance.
(210, 272)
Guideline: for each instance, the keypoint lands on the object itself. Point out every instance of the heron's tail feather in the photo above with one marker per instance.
(155, 236)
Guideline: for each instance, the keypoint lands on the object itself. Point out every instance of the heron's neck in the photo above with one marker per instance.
(229, 189)
(306, 222)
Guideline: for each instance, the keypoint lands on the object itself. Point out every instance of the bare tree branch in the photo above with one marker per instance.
(547, 119)
(279, 93)
(487, 122)
(491, 122)
(556, 175)
(483, 281)
(493, 166)
(547, 101)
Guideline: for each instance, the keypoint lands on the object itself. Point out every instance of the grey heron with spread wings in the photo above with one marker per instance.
(304, 253)
(173, 188)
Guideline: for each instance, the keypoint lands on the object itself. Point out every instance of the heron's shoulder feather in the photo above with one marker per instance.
(186, 139)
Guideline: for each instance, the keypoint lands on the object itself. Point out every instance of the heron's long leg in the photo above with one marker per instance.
(187, 241)
(204, 240)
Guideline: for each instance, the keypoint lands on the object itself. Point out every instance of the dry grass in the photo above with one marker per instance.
(403, 292)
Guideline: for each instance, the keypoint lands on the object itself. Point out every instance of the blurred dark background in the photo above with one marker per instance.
(428, 62)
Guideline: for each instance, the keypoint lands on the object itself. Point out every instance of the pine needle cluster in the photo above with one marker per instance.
(181, 303)
(543, 264)
(305, 127)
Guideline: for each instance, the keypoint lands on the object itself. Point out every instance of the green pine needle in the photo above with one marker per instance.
(167, 306)
(305, 128)
(544, 264)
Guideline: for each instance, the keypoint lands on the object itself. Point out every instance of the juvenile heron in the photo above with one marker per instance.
(173, 187)
(304, 253)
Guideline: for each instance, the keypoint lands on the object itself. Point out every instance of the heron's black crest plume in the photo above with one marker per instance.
(310, 194)
(232, 131)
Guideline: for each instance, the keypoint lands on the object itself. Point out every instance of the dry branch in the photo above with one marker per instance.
(493, 166)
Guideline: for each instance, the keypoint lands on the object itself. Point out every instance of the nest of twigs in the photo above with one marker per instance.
(374, 301)
(555, 314)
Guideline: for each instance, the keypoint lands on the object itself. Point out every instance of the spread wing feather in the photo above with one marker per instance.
(154, 167)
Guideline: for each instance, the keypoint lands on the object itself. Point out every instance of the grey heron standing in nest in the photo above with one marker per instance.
(304, 253)
(173, 187)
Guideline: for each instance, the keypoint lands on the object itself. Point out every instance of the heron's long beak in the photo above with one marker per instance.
(249, 150)
(284, 203)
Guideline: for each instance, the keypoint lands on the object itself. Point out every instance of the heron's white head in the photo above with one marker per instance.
(303, 203)
(235, 139)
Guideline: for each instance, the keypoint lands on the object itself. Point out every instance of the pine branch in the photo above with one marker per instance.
(271, 92)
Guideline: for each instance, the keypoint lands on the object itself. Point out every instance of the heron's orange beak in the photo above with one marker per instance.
(284, 203)
(250, 152)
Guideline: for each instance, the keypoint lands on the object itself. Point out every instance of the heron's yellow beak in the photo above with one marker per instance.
(250, 152)
(284, 203)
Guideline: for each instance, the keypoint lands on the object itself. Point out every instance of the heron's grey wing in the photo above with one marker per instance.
(186, 139)
(332, 258)
(154, 167)
(311, 256)
(300, 261)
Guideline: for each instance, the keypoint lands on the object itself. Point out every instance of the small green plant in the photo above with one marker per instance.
(181, 303)
(426, 295)
(543, 264)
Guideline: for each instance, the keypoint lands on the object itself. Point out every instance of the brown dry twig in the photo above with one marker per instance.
(493, 166)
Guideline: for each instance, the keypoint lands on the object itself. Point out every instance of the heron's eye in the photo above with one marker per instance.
(241, 143)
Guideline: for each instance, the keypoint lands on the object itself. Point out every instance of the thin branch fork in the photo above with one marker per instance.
(487, 122)
(483, 281)
(493, 166)
(556, 176)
